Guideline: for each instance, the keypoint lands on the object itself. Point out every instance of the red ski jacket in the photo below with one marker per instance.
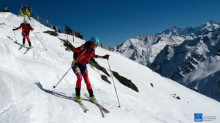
(83, 57)
(25, 27)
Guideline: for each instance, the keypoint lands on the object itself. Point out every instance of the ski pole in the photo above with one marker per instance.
(15, 36)
(39, 40)
(69, 68)
(62, 77)
(66, 36)
(113, 83)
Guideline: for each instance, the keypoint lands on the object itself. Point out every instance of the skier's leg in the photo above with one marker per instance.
(24, 37)
(88, 84)
(87, 81)
(78, 83)
(89, 87)
(79, 79)
(29, 41)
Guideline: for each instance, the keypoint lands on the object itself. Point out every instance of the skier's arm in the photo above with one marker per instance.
(104, 57)
(31, 28)
(17, 28)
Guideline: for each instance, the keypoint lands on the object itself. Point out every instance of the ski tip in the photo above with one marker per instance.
(106, 111)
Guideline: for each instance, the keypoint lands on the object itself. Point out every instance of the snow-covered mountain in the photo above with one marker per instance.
(190, 56)
(27, 94)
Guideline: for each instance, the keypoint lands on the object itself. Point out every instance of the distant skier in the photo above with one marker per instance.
(82, 55)
(26, 10)
(26, 27)
(78, 35)
(68, 30)
(55, 28)
(5, 8)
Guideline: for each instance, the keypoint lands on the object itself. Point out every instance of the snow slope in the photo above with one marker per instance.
(23, 100)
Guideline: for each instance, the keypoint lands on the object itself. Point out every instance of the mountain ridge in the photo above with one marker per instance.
(176, 53)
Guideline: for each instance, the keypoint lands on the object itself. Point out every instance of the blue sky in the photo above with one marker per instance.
(114, 21)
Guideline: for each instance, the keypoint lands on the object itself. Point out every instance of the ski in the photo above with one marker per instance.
(27, 50)
(99, 105)
(21, 47)
(83, 107)
(15, 41)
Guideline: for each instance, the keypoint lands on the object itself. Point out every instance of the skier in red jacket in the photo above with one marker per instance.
(82, 55)
(26, 27)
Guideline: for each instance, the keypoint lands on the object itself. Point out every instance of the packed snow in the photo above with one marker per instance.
(27, 94)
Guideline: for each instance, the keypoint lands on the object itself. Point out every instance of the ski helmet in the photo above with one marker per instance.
(25, 19)
(95, 39)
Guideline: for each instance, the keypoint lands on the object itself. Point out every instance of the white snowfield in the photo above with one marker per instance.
(23, 100)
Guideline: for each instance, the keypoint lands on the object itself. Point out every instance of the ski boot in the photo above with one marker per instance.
(78, 99)
(93, 99)
(30, 47)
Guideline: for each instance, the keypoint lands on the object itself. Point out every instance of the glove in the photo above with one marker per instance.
(14, 29)
(105, 56)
